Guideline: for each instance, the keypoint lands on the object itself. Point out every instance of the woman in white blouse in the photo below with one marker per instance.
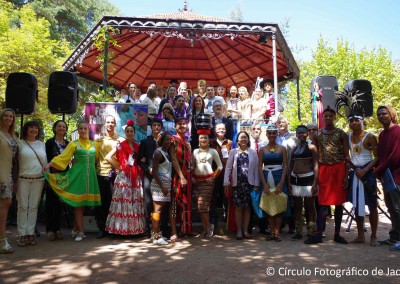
(32, 158)
(204, 177)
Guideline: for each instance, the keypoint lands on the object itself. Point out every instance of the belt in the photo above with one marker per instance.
(32, 178)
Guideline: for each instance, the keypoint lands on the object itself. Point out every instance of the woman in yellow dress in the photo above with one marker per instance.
(78, 186)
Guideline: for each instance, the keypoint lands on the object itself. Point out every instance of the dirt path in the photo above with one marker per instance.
(221, 259)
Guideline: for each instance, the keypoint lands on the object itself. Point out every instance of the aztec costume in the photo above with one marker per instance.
(332, 168)
(363, 191)
(126, 215)
(78, 186)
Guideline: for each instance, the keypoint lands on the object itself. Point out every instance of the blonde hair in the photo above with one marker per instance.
(201, 82)
(245, 89)
(11, 130)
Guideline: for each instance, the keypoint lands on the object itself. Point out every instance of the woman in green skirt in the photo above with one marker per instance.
(78, 186)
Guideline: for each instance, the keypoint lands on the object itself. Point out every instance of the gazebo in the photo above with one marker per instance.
(188, 47)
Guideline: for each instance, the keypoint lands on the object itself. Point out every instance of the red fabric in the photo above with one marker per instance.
(320, 110)
(331, 177)
(271, 103)
(182, 195)
(134, 172)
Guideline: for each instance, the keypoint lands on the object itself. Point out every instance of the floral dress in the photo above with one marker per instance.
(241, 192)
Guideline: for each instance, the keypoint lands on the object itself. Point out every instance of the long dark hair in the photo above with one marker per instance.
(202, 104)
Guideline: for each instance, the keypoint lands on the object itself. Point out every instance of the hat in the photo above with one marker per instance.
(268, 80)
(354, 116)
(271, 127)
(203, 132)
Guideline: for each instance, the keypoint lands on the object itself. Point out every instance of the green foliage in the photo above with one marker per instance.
(26, 46)
(72, 19)
(105, 37)
(344, 62)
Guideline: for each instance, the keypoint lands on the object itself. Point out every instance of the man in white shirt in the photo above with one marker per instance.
(256, 144)
(210, 99)
(152, 101)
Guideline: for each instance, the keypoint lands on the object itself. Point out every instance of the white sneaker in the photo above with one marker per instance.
(5, 248)
(79, 237)
(160, 241)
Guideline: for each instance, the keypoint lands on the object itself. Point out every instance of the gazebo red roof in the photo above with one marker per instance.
(185, 46)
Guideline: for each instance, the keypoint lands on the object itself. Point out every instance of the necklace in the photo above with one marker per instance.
(272, 149)
(357, 146)
(203, 159)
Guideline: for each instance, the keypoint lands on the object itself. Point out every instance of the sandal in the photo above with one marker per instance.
(174, 238)
(22, 241)
(31, 240)
(247, 236)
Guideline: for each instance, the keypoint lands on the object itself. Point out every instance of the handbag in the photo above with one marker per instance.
(255, 201)
(388, 183)
(273, 204)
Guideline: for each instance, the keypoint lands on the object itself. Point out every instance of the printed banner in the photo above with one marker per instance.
(95, 114)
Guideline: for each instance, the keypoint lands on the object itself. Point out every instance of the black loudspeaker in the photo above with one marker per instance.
(359, 98)
(63, 92)
(21, 92)
(328, 85)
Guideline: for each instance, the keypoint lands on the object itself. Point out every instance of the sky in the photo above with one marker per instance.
(363, 23)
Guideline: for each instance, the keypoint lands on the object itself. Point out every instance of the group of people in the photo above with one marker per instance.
(145, 185)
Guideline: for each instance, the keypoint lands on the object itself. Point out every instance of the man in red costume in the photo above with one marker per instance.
(180, 153)
(333, 149)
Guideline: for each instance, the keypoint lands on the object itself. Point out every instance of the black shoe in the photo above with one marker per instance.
(297, 237)
(340, 240)
(100, 235)
(313, 240)
(388, 242)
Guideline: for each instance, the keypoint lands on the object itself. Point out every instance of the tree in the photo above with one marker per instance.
(26, 46)
(346, 64)
(236, 13)
(72, 19)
